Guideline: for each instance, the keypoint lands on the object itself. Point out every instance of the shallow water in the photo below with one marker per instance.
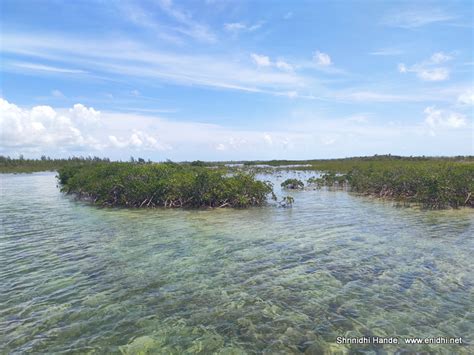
(277, 280)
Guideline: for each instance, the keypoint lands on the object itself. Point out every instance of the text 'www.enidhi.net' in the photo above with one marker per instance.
(396, 340)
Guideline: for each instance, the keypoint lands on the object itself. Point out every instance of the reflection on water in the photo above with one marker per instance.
(76, 277)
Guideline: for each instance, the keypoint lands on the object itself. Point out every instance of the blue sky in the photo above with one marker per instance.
(223, 79)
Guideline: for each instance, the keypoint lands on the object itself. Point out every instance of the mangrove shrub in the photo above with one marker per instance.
(167, 185)
(292, 184)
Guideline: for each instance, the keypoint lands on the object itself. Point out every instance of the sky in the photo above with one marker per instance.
(236, 79)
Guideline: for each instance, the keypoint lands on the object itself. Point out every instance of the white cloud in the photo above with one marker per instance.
(81, 128)
(427, 70)
(446, 94)
(190, 27)
(467, 98)
(281, 64)
(416, 18)
(64, 132)
(265, 61)
(183, 25)
(441, 119)
(42, 126)
(261, 60)
(328, 140)
(372, 96)
(130, 59)
(360, 118)
(236, 27)
(402, 68)
(57, 94)
(139, 140)
(45, 68)
(84, 116)
(387, 52)
(220, 147)
(435, 74)
(267, 139)
(322, 59)
(440, 57)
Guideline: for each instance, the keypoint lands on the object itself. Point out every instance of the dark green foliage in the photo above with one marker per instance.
(287, 201)
(168, 185)
(292, 184)
(22, 165)
(345, 164)
(431, 184)
(329, 179)
(198, 163)
(434, 182)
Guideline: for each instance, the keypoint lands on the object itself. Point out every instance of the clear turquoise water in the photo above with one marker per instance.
(75, 278)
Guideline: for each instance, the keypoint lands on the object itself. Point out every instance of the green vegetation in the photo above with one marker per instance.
(329, 179)
(286, 201)
(22, 165)
(166, 184)
(345, 164)
(293, 184)
(433, 184)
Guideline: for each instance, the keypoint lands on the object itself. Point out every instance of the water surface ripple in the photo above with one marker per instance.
(75, 278)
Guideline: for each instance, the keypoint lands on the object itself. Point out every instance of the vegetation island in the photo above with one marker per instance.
(433, 182)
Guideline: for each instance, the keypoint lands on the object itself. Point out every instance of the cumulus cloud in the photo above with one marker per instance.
(83, 129)
(84, 116)
(64, 132)
(428, 69)
(42, 126)
(322, 59)
(138, 140)
(467, 98)
(77, 128)
(265, 61)
(436, 118)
